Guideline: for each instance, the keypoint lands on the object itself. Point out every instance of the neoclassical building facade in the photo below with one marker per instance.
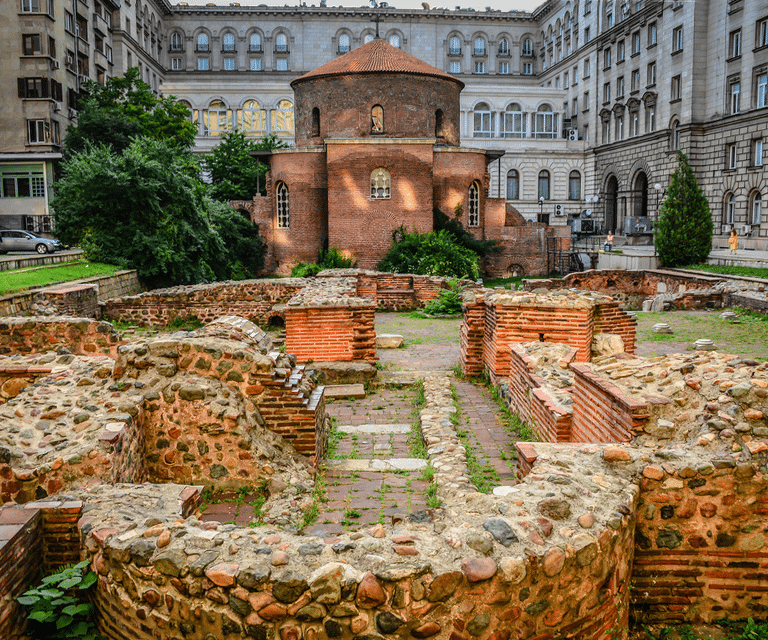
(589, 100)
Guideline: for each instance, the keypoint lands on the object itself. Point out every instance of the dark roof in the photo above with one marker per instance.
(376, 56)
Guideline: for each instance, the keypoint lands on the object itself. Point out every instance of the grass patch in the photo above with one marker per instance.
(415, 438)
(21, 279)
(752, 272)
(509, 421)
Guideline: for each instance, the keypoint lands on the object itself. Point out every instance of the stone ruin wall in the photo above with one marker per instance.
(81, 336)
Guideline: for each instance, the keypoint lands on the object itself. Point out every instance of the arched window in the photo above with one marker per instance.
(394, 40)
(574, 186)
(228, 43)
(381, 183)
(479, 47)
(202, 42)
(454, 46)
(177, 42)
(344, 46)
(439, 133)
(368, 38)
(674, 137)
(730, 208)
(192, 113)
(377, 119)
(513, 184)
(482, 120)
(473, 201)
(503, 47)
(757, 208)
(282, 118)
(545, 123)
(283, 218)
(281, 43)
(254, 44)
(513, 124)
(252, 120)
(544, 184)
(217, 119)
(315, 121)
(527, 49)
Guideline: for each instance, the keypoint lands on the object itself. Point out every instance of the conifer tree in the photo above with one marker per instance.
(684, 229)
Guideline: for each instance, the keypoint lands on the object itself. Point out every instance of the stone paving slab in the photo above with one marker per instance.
(344, 391)
(406, 464)
(375, 428)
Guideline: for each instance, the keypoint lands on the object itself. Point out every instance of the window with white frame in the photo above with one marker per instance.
(229, 64)
(344, 43)
(202, 42)
(527, 49)
(566, 80)
(252, 119)
(217, 119)
(761, 93)
(761, 33)
(606, 131)
(281, 64)
(503, 47)
(504, 68)
(757, 152)
(757, 208)
(254, 43)
(619, 87)
(281, 43)
(731, 155)
(513, 184)
(635, 80)
(282, 119)
(652, 34)
(228, 42)
(283, 211)
(454, 46)
(527, 68)
(620, 51)
(473, 205)
(586, 35)
(635, 42)
(586, 101)
(734, 96)
(650, 118)
(675, 88)
(22, 181)
(513, 122)
(381, 183)
(543, 189)
(255, 64)
(575, 107)
(651, 79)
(574, 185)
(586, 68)
(479, 49)
(482, 121)
(455, 66)
(545, 123)
(576, 74)
(634, 124)
(734, 44)
(176, 64)
(479, 66)
(730, 208)
(606, 92)
(619, 127)
(677, 39)
(607, 58)
(202, 64)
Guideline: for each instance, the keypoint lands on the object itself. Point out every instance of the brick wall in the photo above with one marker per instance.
(75, 300)
(252, 299)
(609, 318)
(362, 226)
(700, 549)
(471, 333)
(601, 413)
(454, 171)
(37, 335)
(338, 332)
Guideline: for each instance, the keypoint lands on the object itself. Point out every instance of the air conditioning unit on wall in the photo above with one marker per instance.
(573, 134)
(558, 210)
(746, 230)
(726, 228)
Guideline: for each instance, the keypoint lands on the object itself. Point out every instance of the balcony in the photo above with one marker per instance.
(479, 52)
(454, 51)
(254, 48)
(281, 48)
(202, 48)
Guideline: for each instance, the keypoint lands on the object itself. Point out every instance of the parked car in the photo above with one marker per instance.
(15, 240)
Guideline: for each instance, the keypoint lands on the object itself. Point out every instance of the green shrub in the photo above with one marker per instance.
(435, 253)
(447, 303)
(58, 606)
(328, 259)
(461, 235)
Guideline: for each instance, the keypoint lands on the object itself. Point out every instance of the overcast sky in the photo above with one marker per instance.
(503, 5)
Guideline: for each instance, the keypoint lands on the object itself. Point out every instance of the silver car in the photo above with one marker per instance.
(15, 240)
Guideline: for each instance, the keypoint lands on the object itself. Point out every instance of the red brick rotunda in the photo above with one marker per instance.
(377, 147)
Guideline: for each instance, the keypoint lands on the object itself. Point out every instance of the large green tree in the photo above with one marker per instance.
(234, 173)
(145, 209)
(436, 253)
(684, 229)
(124, 109)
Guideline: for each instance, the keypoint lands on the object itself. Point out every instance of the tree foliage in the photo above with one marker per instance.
(328, 259)
(243, 255)
(461, 235)
(435, 253)
(234, 173)
(145, 209)
(125, 108)
(684, 229)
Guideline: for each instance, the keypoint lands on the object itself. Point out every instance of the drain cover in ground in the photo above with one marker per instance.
(345, 391)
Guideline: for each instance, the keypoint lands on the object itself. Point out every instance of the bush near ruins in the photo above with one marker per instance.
(436, 253)
(684, 229)
(328, 259)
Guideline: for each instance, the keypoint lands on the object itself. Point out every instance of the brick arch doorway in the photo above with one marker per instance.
(611, 204)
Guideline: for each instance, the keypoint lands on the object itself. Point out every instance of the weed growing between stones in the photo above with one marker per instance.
(510, 421)
(415, 439)
(482, 475)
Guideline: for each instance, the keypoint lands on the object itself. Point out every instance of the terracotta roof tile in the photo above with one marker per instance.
(376, 56)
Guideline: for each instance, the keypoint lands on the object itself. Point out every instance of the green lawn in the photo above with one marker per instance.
(14, 281)
(752, 272)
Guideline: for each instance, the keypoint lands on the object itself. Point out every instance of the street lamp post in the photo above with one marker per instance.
(541, 208)
(657, 188)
